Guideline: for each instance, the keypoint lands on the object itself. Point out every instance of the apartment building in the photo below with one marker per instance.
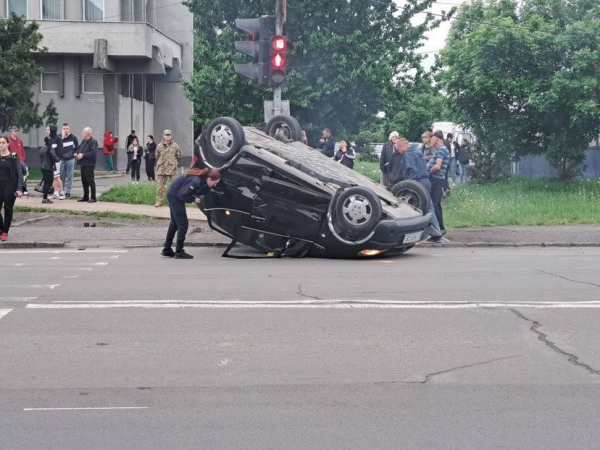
(113, 65)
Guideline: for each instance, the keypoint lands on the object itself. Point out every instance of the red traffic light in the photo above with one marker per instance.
(278, 61)
(279, 44)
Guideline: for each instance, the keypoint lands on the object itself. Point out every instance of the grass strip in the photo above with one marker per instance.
(97, 214)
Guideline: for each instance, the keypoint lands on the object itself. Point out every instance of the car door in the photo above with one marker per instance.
(285, 208)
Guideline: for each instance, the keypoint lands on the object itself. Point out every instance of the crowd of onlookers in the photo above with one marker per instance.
(433, 164)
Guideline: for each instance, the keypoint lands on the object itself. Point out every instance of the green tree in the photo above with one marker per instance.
(18, 40)
(525, 76)
(418, 113)
(346, 58)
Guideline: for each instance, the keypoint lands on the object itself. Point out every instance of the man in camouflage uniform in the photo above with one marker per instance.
(168, 155)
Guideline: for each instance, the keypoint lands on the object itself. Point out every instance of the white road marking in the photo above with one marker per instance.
(15, 265)
(87, 409)
(56, 252)
(18, 299)
(96, 264)
(70, 276)
(310, 304)
(32, 286)
(4, 312)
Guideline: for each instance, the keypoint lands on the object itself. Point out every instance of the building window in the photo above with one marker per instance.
(19, 7)
(93, 9)
(50, 82)
(50, 9)
(93, 83)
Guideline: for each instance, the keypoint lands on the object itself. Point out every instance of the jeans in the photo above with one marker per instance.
(67, 169)
(452, 170)
(108, 159)
(179, 223)
(464, 176)
(437, 185)
(87, 179)
(135, 169)
(434, 230)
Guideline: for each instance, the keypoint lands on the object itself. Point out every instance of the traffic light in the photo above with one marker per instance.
(259, 48)
(278, 69)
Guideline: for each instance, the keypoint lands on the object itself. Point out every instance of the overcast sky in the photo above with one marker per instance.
(436, 39)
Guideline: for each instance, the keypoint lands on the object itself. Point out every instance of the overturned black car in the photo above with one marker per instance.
(282, 197)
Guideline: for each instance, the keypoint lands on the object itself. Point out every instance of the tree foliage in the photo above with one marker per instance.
(346, 59)
(525, 76)
(18, 40)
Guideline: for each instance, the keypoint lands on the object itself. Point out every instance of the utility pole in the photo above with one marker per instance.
(280, 17)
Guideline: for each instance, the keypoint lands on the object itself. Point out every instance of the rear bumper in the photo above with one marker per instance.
(392, 232)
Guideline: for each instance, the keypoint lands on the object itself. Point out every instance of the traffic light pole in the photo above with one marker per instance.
(280, 16)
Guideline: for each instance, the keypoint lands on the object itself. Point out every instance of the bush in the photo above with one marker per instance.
(489, 166)
(367, 154)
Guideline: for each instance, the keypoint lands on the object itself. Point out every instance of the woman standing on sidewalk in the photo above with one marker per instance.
(150, 157)
(11, 181)
(186, 189)
(136, 159)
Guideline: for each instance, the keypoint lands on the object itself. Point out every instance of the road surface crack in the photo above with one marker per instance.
(429, 376)
(569, 279)
(302, 294)
(542, 337)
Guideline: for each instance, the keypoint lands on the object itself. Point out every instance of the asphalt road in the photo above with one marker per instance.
(440, 348)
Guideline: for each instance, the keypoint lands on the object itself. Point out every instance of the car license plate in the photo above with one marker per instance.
(412, 237)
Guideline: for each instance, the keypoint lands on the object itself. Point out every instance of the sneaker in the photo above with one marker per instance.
(47, 200)
(62, 196)
(82, 200)
(92, 200)
(183, 255)
(56, 195)
(4, 236)
(168, 252)
(434, 239)
(67, 195)
(157, 205)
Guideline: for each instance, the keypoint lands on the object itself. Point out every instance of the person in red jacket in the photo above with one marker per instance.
(16, 146)
(109, 150)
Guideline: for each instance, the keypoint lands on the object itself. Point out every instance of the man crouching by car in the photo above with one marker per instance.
(413, 167)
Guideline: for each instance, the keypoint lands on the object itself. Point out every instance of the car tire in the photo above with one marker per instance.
(358, 210)
(287, 124)
(414, 193)
(225, 138)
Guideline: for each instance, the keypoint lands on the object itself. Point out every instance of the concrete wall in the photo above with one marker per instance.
(133, 115)
(173, 110)
(538, 166)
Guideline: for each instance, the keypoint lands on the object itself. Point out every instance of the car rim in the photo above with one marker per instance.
(221, 138)
(410, 197)
(283, 130)
(357, 209)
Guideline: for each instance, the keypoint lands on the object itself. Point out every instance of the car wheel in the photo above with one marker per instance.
(286, 127)
(225, 138)
(413, 193)
(358, 210)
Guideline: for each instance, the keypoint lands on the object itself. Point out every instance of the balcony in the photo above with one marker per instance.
(125, 40)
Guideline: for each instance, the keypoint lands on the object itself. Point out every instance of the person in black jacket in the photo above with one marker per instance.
(67, 164)
(86, 156)
(128, 143)
(386, 157)
(11, 181)
(150, 157)
(56, 144)
(327, 143)
(345, 155)
(49, 158)
(136, 151)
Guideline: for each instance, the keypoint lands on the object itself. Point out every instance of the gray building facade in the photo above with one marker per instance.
(113, 65)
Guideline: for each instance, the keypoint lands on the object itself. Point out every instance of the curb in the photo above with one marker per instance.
(506, 245)
(28, 245)
(101, 177)
(133, 247)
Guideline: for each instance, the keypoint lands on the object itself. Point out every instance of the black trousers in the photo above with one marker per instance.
(48, 178)
(437, 186)
(150, 163)
(179, 223)
(135, 169)
(87, 180)
(7, 199)
(129, 159)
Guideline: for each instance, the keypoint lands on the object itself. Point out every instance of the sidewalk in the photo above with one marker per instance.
(125, 208)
